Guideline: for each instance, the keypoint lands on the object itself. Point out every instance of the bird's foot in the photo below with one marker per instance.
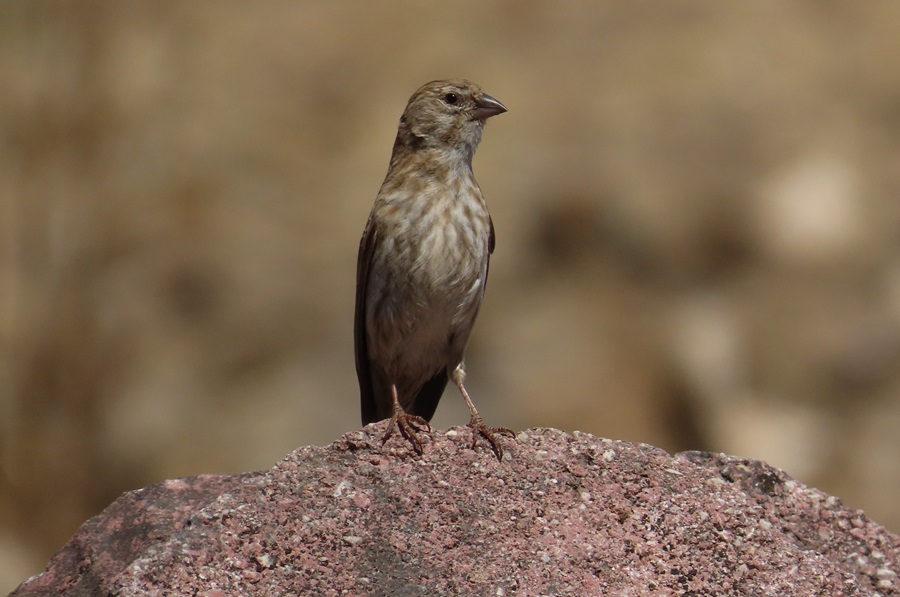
(410, 426)
(488, 433)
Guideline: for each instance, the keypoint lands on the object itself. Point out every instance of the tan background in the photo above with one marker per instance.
(697, 209)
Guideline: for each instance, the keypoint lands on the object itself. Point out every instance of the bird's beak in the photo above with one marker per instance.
(486, 106)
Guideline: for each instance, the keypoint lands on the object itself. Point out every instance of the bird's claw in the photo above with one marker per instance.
(410, 426)
(489, 433)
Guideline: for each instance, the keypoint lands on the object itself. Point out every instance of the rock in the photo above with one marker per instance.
(562, 514)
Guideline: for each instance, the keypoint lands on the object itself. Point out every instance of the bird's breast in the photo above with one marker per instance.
(452, 243)
(438, 246)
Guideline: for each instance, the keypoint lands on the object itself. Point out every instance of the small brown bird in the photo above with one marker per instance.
(423, 263)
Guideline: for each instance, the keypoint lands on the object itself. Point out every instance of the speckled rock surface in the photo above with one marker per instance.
(563, 514)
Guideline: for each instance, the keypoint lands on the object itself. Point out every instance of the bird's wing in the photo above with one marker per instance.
(361, 345)
(492, 240)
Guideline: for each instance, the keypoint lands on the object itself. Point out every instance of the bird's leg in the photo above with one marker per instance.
(476, 422)
(409, 425)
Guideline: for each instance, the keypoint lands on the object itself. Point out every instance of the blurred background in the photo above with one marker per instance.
(697, 209)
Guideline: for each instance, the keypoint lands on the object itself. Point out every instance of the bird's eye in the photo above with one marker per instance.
(451, 98)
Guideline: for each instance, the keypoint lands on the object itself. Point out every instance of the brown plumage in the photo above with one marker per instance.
(423, 263)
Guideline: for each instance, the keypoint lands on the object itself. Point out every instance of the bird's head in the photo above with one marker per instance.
(447, 115)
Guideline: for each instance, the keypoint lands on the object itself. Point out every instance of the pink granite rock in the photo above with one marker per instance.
(563, 514)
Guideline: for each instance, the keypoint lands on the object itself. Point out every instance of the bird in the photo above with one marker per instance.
(423, 263)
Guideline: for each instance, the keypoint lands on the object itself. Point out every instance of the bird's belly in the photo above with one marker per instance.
(426, 322)
(437, 313)
(426, 345)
